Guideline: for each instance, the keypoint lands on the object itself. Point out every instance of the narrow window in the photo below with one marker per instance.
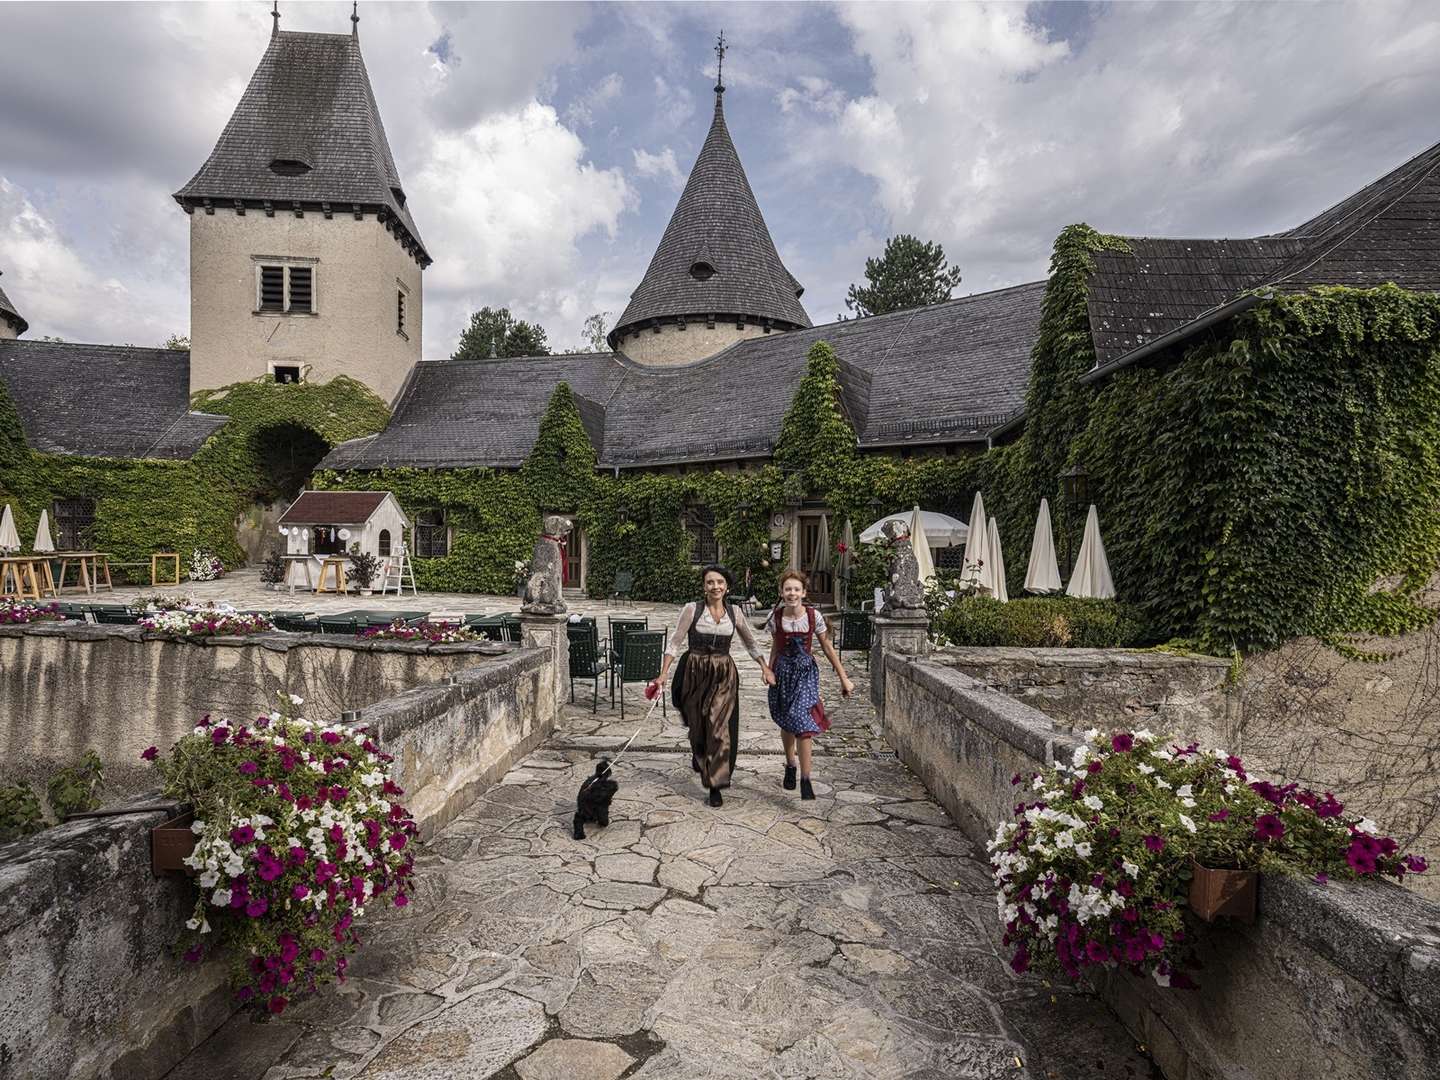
(272, 288)
(432, 540)
(400, 313)
(302, 293)
(287, 373)
(74, 521)
(700, 524)
(384, 544)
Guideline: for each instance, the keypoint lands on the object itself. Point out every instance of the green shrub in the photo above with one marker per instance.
(73, 789)
(20, 813)
(1040, 622)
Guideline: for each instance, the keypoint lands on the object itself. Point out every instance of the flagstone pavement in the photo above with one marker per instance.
(849, 937)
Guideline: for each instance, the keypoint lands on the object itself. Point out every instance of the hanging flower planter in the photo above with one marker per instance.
(170, 843)
(1223, 892)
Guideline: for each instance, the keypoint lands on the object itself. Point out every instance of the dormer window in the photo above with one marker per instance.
(701, 270)
(289, 167)
(399, 196)
(282, 289)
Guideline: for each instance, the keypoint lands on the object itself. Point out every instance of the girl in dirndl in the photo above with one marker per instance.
(708, 692)
(795, 697)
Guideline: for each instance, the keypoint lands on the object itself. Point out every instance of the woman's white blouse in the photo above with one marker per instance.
(706, 625)
(800, 625)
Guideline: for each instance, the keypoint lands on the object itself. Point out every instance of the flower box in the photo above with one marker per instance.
(1222, 892)
(170, 843)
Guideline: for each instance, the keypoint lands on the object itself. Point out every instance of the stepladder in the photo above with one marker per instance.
(399, 573)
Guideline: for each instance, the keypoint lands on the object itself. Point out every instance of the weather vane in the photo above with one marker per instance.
(720, 66)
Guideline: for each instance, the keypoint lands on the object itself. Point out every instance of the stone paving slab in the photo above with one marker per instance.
(851, 937)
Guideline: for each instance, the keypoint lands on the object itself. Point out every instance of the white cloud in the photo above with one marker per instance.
(581, 111)
(659, 166)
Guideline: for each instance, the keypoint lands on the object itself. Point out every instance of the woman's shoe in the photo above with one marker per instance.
(694, 764)
(715, 799)
(789, 782)
(806, 791)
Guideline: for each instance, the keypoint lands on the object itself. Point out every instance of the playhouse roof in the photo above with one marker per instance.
(335, 507)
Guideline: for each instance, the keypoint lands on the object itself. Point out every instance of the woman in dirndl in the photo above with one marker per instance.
(707, 691)
(795, 695)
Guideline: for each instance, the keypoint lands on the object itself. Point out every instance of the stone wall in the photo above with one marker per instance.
(66, 688)
(90, 985)
(1339, 981)
(1105, 688)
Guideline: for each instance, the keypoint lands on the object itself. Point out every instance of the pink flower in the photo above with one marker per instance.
(1155, 843)
(277, 1004)
(249, 768)
(317, 955)
(1094, 767)
(297, 856)
(1020, 962)
(1416, 864)
(324, 872)
(299, 892)
(1220, 815)
(1122, 743)
(150, 753)
(1328, 807)
(1322, 878)
(257, 907)
(1269, 827)
(1361, 860)
(1234, 765)
(397, 841)
(219, 735)
(242, 834)
(195, 954)
(401, 899)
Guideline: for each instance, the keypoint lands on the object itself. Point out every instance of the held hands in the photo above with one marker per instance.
(769, 675)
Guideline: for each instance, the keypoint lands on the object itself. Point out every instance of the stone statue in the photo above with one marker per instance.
(542, 591)
(904, 595)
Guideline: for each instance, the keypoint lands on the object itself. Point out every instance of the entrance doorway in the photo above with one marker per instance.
(812, 550)
(572, 565)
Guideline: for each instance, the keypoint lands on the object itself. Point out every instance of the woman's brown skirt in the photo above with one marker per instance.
(710, 704)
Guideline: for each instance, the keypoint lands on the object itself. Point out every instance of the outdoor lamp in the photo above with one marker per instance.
(1075, 486)
(344, 534)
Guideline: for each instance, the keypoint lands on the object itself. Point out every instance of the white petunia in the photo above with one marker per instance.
(220, 898)
(197, 924)
(296, 699)
(1091, 734)
(1185, 791)
(1093, 802)
(1145, 769)
(1366, 826)
(1160, 781)
(1144, 733)
(1130, 868)
(1190, 825)
(234, 867)
(1080, 755)
(1187, 802)
(1083, 850)
(208, 879)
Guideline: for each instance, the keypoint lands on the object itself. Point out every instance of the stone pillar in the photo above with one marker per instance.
(906, 634)
(541, 630)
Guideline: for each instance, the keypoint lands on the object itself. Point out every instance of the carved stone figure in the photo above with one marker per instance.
(542, 591)
(904, 594)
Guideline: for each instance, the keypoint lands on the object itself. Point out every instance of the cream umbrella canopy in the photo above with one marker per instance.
(996, 566)
(1043, 574)
(977, 541)
(43, 543)
(1092, 571)
(822, 557)
(940, 529)
(9, 538)
(921, 543)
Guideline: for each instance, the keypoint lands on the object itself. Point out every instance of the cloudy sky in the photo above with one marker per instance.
(543, 146)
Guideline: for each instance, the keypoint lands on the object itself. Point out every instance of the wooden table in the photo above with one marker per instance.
(337, 564)
(174, 558)
(93, 565)
(294, 564)
(20, 579)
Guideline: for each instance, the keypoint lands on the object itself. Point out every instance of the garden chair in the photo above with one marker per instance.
(624, 586)
(114, 616)
(510, 629)
(296, 623)
(855, 633)
(339, 624)
(644, 650)
(586, 661)
(618, 629)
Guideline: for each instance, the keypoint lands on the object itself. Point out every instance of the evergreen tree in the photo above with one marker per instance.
(592, 334)
(909, 274)
(495, 332)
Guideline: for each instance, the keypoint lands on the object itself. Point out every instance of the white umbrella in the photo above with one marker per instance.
(794, 544)
(1043, 574)
(842, 579)
(921, 543)
(42, 534)
(976, 543)
(822, 557)
(996, 566)
(942, 529)
(1092, 572)
(9, 538)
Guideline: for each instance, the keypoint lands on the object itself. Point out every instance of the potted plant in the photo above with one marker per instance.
(272, 572)
(15, 612)
(522, 576)
(364, 568)
(1137, 838)
(296, 830)
(206, 622)
(205, 565)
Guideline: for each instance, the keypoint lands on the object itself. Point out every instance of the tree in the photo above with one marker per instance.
(177, 341)
(592, 334)
(495, 332)
(909, 274)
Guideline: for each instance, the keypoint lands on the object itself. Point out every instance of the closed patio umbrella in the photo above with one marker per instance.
(9, 538)
(996, 566)
(1043, 573)
(43, 543)
(822, 557)
(842, 579)
(977, 541)
(921, 543)
(794, 544)
(1092, 571)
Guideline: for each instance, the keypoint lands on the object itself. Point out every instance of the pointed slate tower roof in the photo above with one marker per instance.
(10, 315)
(307, 134)
(716, 256)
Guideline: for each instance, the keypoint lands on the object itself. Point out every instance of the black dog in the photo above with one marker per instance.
(593, 802)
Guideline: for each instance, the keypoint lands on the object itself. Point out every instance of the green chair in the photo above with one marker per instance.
(624, 585)
(644, 651)
(114, 616)
(586, 660)
(339, 624)
(295, 622)
(510, 629)
(855, 633)
(618, 629)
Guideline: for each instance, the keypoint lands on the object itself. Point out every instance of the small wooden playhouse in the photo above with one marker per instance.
(321, 523)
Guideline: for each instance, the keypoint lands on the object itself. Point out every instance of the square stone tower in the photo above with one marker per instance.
(304, 260)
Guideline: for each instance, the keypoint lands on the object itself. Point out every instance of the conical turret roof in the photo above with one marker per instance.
(10, 315)
(307, 130)
(716, 256)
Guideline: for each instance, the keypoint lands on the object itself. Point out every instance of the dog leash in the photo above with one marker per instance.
(643, 721)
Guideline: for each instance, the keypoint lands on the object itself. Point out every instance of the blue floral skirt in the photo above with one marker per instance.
(795, 697)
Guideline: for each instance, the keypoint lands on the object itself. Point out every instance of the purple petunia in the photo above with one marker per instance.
(150, 753)
(1269, 827)
(1122, 743)
(1155, 843)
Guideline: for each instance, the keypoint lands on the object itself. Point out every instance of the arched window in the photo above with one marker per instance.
(384, 543)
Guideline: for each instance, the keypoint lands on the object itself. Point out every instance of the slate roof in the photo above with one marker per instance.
(104, 400)
(717, 221)
(333, 507)
(10, 315)
(1387, 232)
(309, 101)
(945, 373)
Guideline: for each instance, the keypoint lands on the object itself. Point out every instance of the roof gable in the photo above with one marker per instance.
(716, 222)
(309, 103)
(337, 507)
(10, 315)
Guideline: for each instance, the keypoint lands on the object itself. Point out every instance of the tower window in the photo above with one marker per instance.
(286, 289)
(702, 270)
(289, 167)
(287, 373)
(400, 312)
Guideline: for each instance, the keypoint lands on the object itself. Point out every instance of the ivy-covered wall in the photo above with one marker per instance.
(145, 506)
